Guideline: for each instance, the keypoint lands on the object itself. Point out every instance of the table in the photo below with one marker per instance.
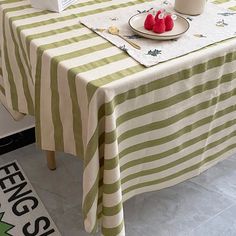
(135, 129)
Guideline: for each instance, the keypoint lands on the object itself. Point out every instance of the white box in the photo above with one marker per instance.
(52, 5)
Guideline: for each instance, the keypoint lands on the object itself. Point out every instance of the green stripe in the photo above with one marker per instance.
(10, 78)
(90, 197)
(98, 63)
(29, 100)
(58, 128)
(111, 136)
(111, 188)
(175, 149)
(18, 8)
(55, 110)
(1, 72)
(220, 1)
(178, 174)
(26, 60)
(156, 142)
(77, 123)
(180, 160)
(19, 29)
(11, 23)
(66, 42)
(77, 15)
(109, 234)
(165, 82)
(189, 111)
(2, 90)
(37, 97)
(173, 100)
(111, 211)
(113, 231)
(40, 51)
(84, 51)
(59, 19)
(95, 228)
(95, 84)
(100, 215)
(27, 15)
(233, 8)
(29, 38)
(112, 163)
(108, 108)
(182, 172)
(9, 1)
(151, 158)
(159, 156)
(45, 12)
(86, 4)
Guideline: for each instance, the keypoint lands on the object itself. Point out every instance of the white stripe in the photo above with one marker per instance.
(90, 220)
(111, 176)
(59, 37)
(90, 174)
(177, 168)
(68, 12)
(164, 147)
(178, 179)
(151, 74)
(110, 200)
(15, 69)
(45, 106)
(113, 221)
(164, 114)
(90, 57)
(159, 133)
(176, 156)
(65, 107)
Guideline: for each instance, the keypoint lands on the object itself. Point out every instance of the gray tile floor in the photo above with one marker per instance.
(202, 206)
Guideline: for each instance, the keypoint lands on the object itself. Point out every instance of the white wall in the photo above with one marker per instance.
(8, 126)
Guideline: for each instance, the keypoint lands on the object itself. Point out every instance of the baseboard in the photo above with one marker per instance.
(17, 140)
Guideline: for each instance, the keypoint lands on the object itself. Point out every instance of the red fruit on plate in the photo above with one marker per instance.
(169, 23)
(158, 13)
(159, 26)
(149, 22)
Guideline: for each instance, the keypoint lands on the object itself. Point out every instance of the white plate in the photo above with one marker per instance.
(136, 23)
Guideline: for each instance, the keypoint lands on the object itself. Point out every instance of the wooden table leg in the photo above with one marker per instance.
(51, 161)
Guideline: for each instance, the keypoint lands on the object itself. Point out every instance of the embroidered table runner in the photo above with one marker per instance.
(136, 129)
(214, 25)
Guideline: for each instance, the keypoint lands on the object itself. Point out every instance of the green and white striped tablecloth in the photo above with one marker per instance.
(137, 129)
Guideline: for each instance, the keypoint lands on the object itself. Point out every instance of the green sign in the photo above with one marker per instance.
(4, 226)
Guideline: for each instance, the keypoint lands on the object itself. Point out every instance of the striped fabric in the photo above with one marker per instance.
(3, 100)
(136, 129)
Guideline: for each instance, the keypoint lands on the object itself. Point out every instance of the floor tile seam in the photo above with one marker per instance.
(69, 172)
(213, 217)
(35, 185)
(229, 197)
